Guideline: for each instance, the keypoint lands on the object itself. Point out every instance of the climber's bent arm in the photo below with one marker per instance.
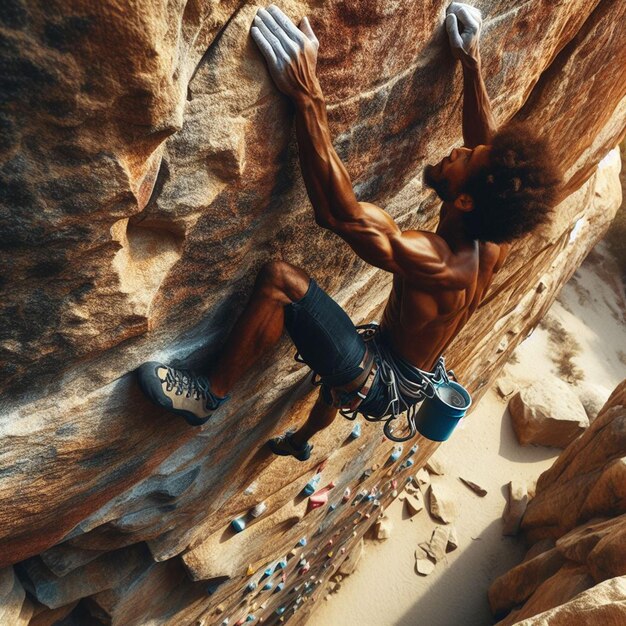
(463, 24)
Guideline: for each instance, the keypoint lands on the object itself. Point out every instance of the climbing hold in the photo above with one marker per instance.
(284, 577)
(311, 486)
(408, 463)
(342, 551)
(395, 455)
(268, 585)
(330, 554)
(366, 474)
(376, 503)
(302, 541)
(282, 564)
(315, 501)
(367, 515)
(238, 524)
(280, 610)
(250, 570)
(329, 542)
(279, 587)
(259, 509)
(251, 586)
(269, 571)
(414, 449)
(346, 494)
(332, 507)
(394, 483)
(356, 431)
(250, 618)
(225, 621)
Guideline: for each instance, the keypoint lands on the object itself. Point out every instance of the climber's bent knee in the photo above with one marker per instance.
(325, 337)
(284, 279)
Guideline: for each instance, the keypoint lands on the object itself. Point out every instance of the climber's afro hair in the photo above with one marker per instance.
(517, 191)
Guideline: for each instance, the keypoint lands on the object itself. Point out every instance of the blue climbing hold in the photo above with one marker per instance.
(250, 618)
(395, 455)
(280, 610)
(268, 585)
(279, 587)
(251, 586)
(414, 449)
(302, 541)
(282, 564)
(269, 571)
(238, 524)
(356, 431)
(311, 487)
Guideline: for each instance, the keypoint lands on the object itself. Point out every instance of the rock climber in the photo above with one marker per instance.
(499, 186)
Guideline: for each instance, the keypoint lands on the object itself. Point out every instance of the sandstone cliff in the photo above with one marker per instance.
(147, 168)
(577, 525)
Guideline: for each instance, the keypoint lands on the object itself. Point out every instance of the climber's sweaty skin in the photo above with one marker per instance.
(439, 277)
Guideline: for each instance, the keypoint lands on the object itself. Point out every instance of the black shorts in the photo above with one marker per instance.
(325, 337)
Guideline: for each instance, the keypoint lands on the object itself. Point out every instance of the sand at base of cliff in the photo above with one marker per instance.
(385, 590)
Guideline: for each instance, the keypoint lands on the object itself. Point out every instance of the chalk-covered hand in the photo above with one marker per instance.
(463, 24)
(290, 52)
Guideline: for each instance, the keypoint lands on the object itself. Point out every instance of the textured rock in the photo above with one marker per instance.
(604, 605)
(383, 528)
(583, 565)
(143, 180)
(547, 413)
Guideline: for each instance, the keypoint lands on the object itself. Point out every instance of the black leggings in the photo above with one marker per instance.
(325, 337)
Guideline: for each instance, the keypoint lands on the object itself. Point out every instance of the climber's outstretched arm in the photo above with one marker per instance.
(463, 24)
(291, 55)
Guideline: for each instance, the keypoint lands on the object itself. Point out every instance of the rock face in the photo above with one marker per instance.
(577, 523)
(147, 168)
(547, 413)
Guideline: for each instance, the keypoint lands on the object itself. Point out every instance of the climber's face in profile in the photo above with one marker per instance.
(450, 176)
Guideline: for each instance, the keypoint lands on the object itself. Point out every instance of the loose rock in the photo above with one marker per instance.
(505, 387)
(439, 542)
(383, 528)
(547, 413)
(435, 466)
(424, 567)
(515, 508)
(453, 542)
(477, 489)
(414, 503)
(442, 504)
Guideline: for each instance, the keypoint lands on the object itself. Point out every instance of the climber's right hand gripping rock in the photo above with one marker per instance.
(463, 24)
(290, 52)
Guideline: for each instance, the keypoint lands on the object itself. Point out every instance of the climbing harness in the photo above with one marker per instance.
(405, 394)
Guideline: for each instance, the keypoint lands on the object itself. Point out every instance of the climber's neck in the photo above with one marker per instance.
(451, 227)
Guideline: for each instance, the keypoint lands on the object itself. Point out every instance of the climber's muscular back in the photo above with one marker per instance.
(421, 322)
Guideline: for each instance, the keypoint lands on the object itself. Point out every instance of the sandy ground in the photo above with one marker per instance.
(385, 590)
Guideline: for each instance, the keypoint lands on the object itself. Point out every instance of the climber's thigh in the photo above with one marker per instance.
(325, 336)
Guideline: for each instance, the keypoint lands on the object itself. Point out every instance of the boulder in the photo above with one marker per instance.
(547, 413)
(577, 525)
(148, 168)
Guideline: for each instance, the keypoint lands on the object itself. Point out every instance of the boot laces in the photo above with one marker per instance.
(184, 381)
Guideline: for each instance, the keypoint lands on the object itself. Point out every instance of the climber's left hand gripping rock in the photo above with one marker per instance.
(290, 52)
(463, 25)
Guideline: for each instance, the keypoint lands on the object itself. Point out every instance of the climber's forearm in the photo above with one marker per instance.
(327, 181)
(479, 126)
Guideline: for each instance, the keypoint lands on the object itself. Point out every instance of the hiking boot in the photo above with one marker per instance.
(284, 446)
(179, 391)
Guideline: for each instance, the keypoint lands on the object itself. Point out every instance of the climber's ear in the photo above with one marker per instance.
(464, 202)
